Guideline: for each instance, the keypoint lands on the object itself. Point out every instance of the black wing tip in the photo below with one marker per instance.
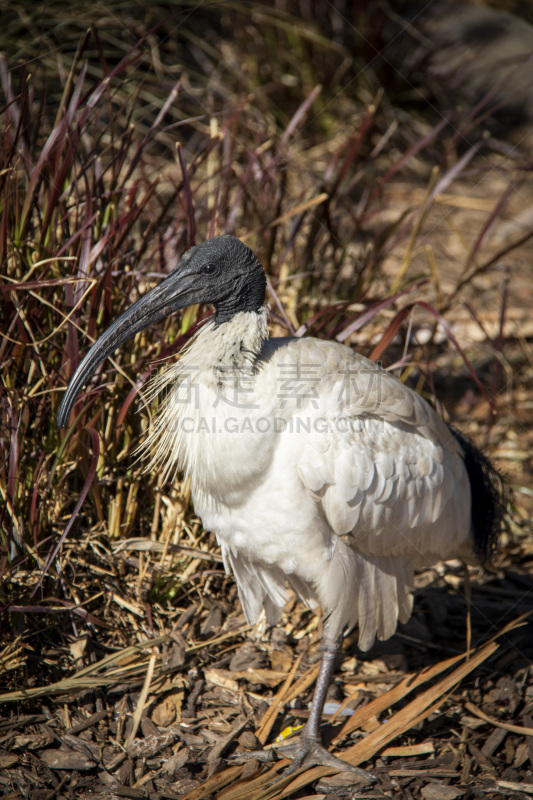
(490, 497)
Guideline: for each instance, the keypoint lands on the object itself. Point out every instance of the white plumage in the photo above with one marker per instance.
(314, 467)
(332, 485)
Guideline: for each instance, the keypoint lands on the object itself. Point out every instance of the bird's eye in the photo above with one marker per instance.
(209, 269)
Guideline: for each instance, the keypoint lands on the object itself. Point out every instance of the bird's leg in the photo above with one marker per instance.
(330, 653)
(308, 750)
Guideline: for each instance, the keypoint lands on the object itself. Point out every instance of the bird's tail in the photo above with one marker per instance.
(489, 497)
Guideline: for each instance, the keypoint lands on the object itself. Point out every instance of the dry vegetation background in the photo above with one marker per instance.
(391, 206)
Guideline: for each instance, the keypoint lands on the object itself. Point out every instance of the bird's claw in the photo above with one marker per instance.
(304, 753)
(309, 753)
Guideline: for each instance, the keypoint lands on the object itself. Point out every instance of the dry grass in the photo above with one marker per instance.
(378, 227)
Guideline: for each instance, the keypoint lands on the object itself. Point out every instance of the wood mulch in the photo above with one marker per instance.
(159, 713)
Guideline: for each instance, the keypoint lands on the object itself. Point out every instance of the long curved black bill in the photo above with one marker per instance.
(175, 292)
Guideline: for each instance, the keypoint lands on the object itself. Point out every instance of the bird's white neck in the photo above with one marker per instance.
(219, 359)
(235, 343)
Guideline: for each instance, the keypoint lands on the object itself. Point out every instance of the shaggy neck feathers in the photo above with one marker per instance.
(235, 342)
(189, 388)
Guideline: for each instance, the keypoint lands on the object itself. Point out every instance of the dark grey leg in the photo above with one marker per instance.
(308, 751)
(330, 653)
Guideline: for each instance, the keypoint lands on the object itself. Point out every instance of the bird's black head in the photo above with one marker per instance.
(222, 272)
(225, 274)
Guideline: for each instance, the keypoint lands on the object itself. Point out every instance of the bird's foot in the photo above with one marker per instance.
(304, 753)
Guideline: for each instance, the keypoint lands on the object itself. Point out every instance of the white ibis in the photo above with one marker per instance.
(314, 467)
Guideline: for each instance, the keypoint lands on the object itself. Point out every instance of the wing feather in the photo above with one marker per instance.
(387, 484)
